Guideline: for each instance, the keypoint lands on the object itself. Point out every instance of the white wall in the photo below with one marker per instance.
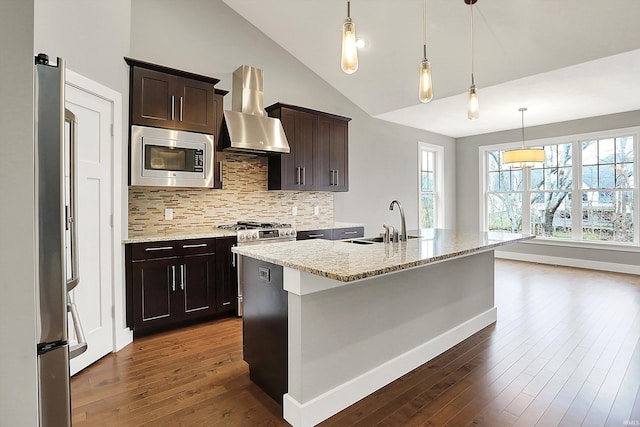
(468, 189)
(209, 38)
(93, 38)
(18, 381)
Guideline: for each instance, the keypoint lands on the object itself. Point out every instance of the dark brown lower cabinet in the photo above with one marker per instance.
(227, 275)
(173, 282)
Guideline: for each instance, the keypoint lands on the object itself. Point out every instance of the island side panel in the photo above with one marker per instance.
(264, 326)
(348, 334)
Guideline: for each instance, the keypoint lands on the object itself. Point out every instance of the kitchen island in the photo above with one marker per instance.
(344, 318)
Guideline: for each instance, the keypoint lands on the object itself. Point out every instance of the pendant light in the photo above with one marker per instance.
(349, 61)
(473, 110)
(523, 157)
(425, 91)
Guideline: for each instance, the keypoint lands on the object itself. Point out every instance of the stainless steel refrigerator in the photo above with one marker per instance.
(56, 253)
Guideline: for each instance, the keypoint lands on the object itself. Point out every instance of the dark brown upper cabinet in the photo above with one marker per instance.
(165, 97)
(319, 156)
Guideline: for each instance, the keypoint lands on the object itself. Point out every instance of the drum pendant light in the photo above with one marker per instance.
(523, 157)
(425, 90)
(349, 61)
(473, 109)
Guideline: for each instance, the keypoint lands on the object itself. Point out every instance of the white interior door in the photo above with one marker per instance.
(94, 294)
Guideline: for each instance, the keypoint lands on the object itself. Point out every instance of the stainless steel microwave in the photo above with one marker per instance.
(171, 158)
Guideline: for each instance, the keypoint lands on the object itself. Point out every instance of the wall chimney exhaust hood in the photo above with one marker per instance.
(246, 127)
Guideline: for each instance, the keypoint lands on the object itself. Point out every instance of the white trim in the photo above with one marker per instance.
(576, 191)
(346, 394)
(439, 201)
(570, 262)
(121, 334)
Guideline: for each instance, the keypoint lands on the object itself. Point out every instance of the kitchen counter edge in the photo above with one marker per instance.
(324, 258)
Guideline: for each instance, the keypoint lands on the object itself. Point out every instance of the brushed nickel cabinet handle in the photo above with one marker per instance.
(220, 171)
(159, 248)
(173, 278)
(182, 275)
(180, 108)
(173, 107)
(199, 245)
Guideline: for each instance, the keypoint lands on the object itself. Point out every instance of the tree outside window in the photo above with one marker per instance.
(596, 174)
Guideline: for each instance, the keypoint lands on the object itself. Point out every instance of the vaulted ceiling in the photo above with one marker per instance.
(562, 59)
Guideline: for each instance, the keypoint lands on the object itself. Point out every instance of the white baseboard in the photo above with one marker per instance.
(570, 262)
(333, 401)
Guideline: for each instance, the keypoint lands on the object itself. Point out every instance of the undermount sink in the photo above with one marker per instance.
(372, 240)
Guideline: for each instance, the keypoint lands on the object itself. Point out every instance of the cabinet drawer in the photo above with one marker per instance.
(151, 250)
(348, 233)
(171, 248)
(196, 246)
(326, 234)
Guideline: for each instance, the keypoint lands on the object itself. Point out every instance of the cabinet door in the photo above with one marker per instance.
(153, 285)
(227, 275)
(300, 128)
(195, 109)
(219, 155)
(153, 98)
(196, 286)
(340, 154)
(333, 152)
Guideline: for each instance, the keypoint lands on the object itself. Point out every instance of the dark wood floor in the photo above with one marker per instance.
(565, 351)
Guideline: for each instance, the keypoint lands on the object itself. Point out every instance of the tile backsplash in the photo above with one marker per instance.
(244, 197)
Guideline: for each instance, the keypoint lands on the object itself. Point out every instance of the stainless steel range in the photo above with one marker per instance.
(257, 233)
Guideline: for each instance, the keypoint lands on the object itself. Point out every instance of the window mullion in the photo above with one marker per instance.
(576, 192)
(526, 201)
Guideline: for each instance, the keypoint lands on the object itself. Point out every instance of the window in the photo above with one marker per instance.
(430, 185)
(584, 191)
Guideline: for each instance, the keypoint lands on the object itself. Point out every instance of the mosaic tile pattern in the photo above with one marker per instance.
(244, 197)
(347, 262)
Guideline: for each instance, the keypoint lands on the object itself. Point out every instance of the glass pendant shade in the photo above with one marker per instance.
(349, 61)
(473, 111)
(425, 91)
(523, 158)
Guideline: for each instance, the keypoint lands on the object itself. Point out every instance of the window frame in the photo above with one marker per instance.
(576, 190)
(438, 178)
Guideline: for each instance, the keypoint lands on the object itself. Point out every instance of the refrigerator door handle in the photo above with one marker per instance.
(77, 349)
(72, 210)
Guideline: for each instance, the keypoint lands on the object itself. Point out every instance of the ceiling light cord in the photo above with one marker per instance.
(473, 107)
(522, 110)
(472, 58)
(424, 27)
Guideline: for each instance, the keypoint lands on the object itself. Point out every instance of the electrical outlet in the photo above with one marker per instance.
(294, 210)
(168, 214)
(316, 210)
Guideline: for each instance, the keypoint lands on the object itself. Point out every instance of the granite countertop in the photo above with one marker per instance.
(209, 232)
(347, 262)
(204, 233)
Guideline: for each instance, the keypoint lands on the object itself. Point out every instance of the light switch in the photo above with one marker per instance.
(316, 210)
(168, 214)
(294, 210)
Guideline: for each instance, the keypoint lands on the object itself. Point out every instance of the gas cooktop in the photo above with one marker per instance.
(253, 225)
